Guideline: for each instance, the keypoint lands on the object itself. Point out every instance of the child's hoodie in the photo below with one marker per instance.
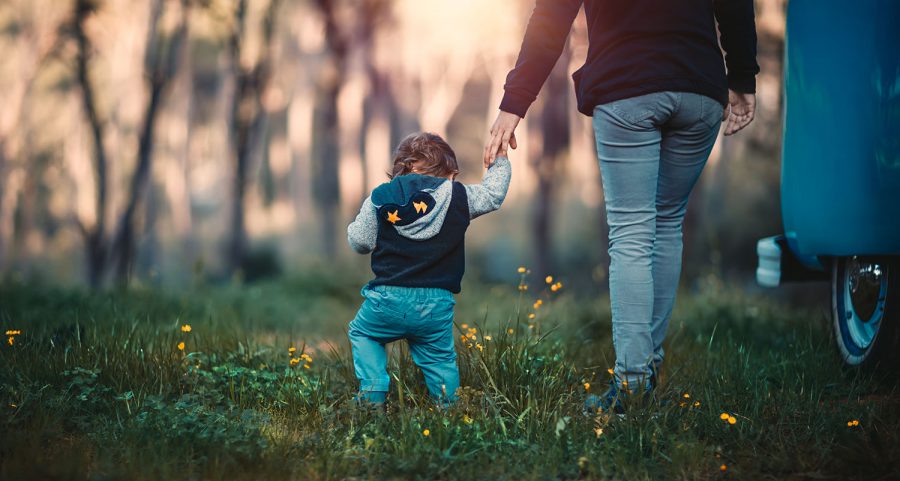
(415, 226)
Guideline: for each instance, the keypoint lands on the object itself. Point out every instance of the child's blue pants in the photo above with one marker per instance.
(422, 316)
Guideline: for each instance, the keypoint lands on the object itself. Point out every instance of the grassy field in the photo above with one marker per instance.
(96, 387)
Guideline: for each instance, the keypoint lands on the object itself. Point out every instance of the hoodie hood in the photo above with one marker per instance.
(415, 205)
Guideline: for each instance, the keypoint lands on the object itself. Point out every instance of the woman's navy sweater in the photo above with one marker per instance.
(638, 47)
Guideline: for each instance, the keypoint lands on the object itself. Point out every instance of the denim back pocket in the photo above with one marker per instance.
(441, 309)
(636, 110)
(382, 302)
(711, 111)
(633, 116)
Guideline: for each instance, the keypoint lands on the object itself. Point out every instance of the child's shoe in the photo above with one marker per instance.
(370, 400)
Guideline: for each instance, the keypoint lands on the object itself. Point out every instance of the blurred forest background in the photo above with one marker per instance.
(162, 141)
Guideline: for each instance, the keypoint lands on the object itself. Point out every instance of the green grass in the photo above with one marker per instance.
(95, 388)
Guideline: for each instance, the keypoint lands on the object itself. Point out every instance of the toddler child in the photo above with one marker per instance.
(414, 226)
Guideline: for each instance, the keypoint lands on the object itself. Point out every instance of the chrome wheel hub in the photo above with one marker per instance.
(865, 289)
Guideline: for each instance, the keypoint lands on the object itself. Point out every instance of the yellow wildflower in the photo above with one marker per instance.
(724, 416)
(531, 316)
(523, 287)
(11, 340)
(536, 306)
(186, 328)
(732, 420)
(609, 370)
(426, 432)
(294, 361)
(306, 366)
(510, 331)
(682, 404)
(853, 423)
(522, 270)
(687, 396)
(696, 404)
(466, 419)
(479, 346)
(487, 338)
(548, 279)
(598, 431)
(464, 326)
(13, 332)
(587, 386)
(292, 349)
(554, 288)
(181, 346)
(723, 467)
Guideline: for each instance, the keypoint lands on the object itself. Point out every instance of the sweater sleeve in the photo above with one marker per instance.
(489, 194)
(737, 34)
(545, 37)
(363, 232)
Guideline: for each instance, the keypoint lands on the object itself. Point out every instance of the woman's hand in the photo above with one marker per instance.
(740, 111)
(502, 138)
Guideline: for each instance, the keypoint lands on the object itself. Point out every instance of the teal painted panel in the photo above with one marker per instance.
(840, 185)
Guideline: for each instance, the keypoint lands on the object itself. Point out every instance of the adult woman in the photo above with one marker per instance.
(655, 83)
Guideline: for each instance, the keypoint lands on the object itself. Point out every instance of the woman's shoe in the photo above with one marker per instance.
(614, 400)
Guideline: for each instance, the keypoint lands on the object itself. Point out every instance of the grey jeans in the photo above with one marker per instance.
(652, 149)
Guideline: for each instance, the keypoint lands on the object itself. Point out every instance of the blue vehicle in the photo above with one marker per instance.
(840, 174)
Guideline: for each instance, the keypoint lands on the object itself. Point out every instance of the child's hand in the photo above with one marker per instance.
(502, 138)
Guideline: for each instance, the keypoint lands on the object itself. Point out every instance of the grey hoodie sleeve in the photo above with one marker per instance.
(489, 194)
(363, 232)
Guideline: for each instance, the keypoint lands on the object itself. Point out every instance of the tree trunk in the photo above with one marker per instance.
(248, 120)
(555, 130)
(124, 242)
(326, 187)
(162, 70)
(95, 239)
(325, 158)
(376, 148)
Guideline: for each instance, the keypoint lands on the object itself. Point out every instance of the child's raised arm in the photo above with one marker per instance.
(489, 194)
(362, 233)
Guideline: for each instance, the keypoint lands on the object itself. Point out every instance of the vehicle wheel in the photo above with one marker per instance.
(865, 299)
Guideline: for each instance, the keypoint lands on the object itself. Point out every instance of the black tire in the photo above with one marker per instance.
(865, 300)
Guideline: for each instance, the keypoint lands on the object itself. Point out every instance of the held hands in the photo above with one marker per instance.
(740, 111)
(502, 138)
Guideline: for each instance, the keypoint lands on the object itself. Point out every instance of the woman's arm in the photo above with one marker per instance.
(544, 40)
(737, 29)
(737, 34)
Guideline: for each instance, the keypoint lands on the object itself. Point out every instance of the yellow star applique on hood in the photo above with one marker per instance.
(393, 217)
